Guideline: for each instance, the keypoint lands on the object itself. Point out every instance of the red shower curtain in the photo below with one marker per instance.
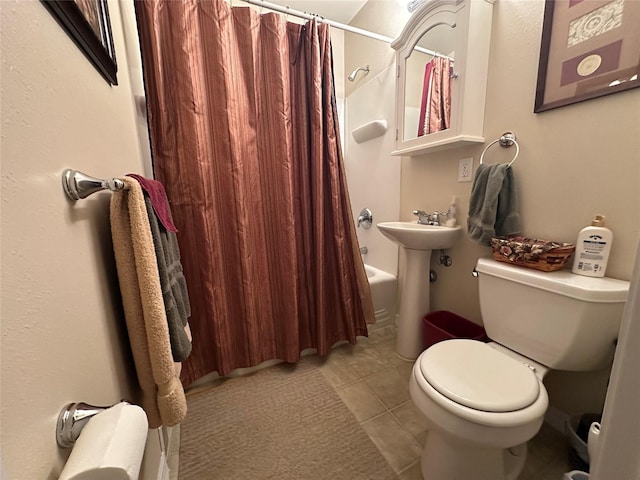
(244, 134)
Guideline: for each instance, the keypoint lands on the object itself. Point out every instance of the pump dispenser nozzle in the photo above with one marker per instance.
(598, 221)
(451, 213)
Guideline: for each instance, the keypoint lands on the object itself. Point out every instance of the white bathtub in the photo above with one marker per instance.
(383, 293)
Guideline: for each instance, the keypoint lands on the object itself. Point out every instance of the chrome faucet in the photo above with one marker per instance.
(425, 218)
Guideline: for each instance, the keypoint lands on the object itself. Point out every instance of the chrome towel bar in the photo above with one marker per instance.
(77, 185)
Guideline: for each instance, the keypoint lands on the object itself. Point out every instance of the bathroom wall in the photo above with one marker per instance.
(63, 333)
(380, 16)
(574, 162)
(373, 174)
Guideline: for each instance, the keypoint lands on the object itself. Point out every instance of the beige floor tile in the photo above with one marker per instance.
(555, 470)
(385, 345)
(414, 472)
(382, 335)
(359, 399)
(411, 419)
(364, 341)
(348, 350)
(389, 386)
(405, 368)
(397, 446)
(316, 360)
(367, 361)
(547, 452)
(388, 349)
(549, 437)
(337, 372)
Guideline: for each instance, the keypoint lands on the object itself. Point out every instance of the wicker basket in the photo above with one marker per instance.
(532, 252)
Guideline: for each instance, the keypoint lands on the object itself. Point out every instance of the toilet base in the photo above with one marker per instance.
(442, 460)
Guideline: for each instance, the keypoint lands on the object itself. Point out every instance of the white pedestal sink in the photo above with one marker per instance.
(418, 241)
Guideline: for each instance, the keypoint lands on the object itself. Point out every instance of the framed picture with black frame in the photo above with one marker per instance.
(87, 23)
(590, 48)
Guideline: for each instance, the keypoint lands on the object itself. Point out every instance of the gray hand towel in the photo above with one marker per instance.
(173, 283)
(493, 207)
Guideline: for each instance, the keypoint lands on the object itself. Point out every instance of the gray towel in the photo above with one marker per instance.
(173, 283)
(493, 207)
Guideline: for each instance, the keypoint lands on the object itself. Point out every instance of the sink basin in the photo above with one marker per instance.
(416, 236)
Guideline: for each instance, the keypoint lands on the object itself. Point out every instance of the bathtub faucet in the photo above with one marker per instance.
(425, 218)
(365, 219)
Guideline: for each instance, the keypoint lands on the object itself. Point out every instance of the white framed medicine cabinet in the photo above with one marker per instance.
(461, 31)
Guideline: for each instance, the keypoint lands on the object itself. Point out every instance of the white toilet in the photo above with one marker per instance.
(484, 401)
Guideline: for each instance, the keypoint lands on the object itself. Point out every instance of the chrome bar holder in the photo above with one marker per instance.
(72, 419)
(507, 139)
(78, 185)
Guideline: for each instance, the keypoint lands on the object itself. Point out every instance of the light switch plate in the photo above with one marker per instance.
(465, 169)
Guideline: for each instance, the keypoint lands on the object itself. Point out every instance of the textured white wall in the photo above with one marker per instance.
(63, 334)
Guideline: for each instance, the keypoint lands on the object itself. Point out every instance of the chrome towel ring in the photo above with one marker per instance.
(506, 140)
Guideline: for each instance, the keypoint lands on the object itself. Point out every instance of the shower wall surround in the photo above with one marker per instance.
(373, 175)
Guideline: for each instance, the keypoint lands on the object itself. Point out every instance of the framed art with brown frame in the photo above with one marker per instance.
(590, 48)
(87, 23)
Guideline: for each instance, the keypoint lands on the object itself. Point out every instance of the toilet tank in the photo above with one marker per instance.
(559, 319)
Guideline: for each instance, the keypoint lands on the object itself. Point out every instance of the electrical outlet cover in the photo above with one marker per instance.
(465, 170)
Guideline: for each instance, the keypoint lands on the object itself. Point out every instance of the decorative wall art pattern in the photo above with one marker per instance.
(589, 49)
(594, 23)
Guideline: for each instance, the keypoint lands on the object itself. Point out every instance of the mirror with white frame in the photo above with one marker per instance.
(442, 58)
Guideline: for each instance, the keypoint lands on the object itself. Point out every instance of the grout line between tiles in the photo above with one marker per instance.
(408, 467)
(373, 418)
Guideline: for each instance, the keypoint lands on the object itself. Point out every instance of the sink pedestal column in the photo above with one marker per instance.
(414, 303)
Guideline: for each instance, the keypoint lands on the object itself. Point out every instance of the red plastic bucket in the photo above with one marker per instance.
(444, 325)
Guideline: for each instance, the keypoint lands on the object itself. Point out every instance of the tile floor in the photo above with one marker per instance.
(374, 384)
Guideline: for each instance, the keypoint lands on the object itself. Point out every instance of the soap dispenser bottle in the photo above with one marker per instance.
(592, 249)
(451, 213)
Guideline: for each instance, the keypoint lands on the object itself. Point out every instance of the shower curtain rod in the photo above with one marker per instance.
(341, 26)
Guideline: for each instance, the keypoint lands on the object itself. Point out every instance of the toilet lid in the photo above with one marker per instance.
(478, 376)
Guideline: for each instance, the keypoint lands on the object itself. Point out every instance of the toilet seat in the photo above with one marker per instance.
(475, 375)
